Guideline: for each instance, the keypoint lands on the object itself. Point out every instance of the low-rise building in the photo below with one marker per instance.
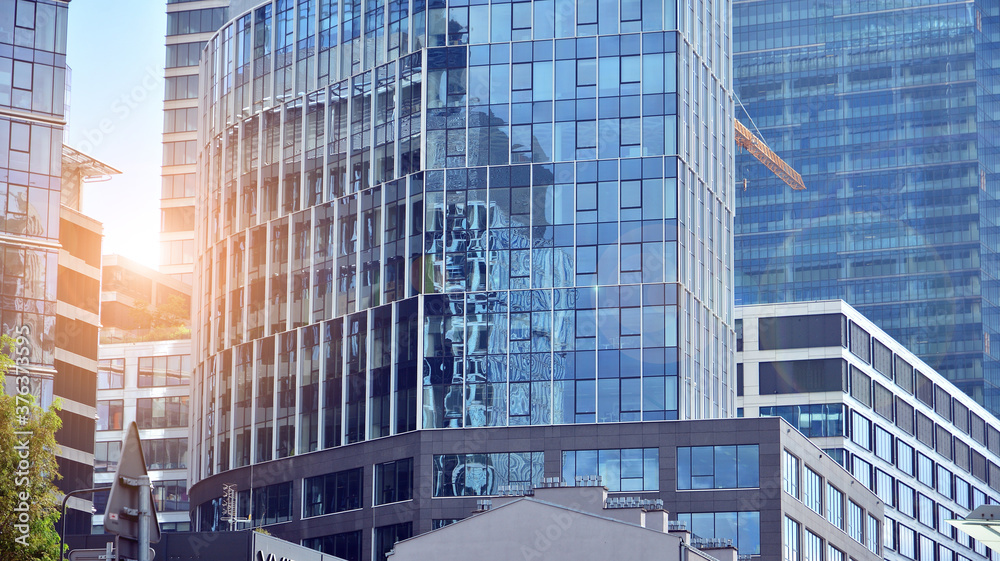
(144, 375)
(722, 479)
(559, 523)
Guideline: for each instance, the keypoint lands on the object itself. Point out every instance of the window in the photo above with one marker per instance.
(904, 375)
(180, 152)
(791, 540)
(860, 344)
(855, 522)
(861, 430)
(907, 546)
(741, 527)
(184, 54)
(109, 414)
(862, 471)
(173, 370)
(885, 487)
(387, 536)
(925, 470)
(906, 499)
(468, 475)
(833, 554)
(883, 444)
(181, 87)
(177, 219)
(790, 474)
(106, 456)
(904, 457)
(165, 453)
(962, 493)
(161, 412)
(834, 506)
(394, 481)
(861, 386)
(812, 490)
(796, 332)
(812, 547)
(272, 504)
(889, 533)
(882, 358)
(872, 534)
(943, 515)
(718, 467)
(631, 469)
(195, 21)
(170, 495)
(819, 419)
(802, 376)
(180, 120)
(178, 186)
(333, 492)
(926, 510)
(110, 373)
(883, 399)
(346, 545)
(904, 415)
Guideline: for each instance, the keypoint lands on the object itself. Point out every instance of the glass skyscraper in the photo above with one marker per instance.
(888, 109)
(466, 216)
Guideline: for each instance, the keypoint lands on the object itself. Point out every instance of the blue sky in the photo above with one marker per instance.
(116, 51)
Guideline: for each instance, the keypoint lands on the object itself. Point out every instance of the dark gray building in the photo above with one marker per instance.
(722, 478)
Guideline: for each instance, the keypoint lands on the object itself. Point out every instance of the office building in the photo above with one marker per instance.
(928, 450)
(189, 25)
(144, 376)
(75, 341)
(721, 479)
(51, 252)
(416, 227)
(887, 110)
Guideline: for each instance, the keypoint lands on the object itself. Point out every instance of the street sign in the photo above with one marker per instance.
(89, 555)
(98, 555)
(121, 516)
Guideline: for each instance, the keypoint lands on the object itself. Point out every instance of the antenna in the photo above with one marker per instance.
(229, 506)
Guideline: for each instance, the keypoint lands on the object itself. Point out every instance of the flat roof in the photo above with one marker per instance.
(84, 164)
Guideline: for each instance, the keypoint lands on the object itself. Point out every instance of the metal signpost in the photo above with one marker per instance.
(130, 513)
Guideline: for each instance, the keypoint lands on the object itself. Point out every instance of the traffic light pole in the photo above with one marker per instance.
(144, 515)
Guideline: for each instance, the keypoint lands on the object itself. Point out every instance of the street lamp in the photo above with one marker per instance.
(62, 534)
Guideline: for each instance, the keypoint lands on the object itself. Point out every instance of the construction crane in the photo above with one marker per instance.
(766, 156)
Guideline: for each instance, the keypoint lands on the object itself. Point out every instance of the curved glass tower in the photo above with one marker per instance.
(429, 234)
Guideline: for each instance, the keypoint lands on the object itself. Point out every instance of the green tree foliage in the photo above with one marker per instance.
(29, 498)
(170, 320)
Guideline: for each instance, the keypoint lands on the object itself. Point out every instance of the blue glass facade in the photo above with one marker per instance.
(469, 214)
(888, 110)
(32, 88)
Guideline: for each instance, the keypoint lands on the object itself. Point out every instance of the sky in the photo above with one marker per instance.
(116, 52)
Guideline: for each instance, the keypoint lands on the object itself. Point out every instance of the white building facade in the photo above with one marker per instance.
(928, 450)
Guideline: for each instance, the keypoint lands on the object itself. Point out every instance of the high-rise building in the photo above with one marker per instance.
(889, 112)
(77, 320)
(428, 234)
(189, 24)
(50, 296)
(930, 452)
